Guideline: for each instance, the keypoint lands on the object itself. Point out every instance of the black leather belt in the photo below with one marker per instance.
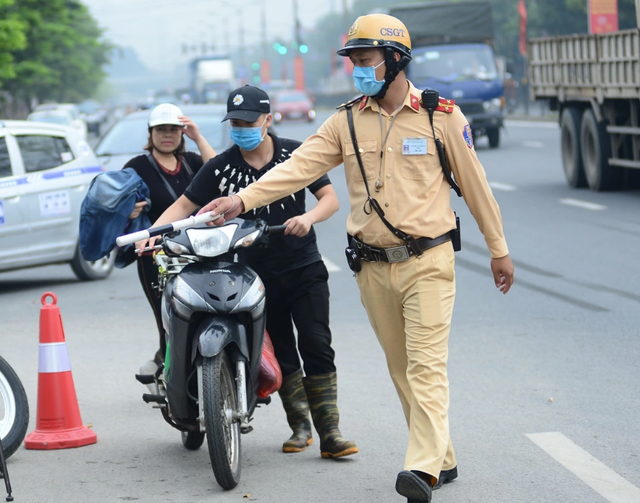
(396, 253)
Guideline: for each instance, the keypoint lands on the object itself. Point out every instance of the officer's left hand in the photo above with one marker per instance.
(502, 269)
(298, 226)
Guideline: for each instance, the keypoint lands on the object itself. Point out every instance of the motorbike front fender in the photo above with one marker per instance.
(217, 333)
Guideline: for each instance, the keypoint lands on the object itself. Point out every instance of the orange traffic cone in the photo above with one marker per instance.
(58, 422)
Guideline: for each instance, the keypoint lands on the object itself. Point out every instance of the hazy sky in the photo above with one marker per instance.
(156, 29)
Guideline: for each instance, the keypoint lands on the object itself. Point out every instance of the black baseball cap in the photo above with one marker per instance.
(247, 103)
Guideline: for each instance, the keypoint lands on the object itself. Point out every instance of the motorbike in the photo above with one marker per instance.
(214, 317)
(14, 418)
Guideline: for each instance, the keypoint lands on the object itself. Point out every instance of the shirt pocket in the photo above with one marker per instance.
(370, 160)
(420, 167)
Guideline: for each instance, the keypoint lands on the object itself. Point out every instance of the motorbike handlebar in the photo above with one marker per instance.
(128, 239)
(276, 229)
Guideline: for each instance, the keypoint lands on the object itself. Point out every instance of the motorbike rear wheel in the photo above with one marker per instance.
(14, 409)
(220, 403)
(192, 440)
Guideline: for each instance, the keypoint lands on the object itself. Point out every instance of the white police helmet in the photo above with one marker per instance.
(166, 113)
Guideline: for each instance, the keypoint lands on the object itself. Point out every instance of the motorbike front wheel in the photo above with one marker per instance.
(220, 403)
(14, 409)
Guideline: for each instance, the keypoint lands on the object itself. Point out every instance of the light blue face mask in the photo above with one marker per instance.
(248, 138)
(364, 77)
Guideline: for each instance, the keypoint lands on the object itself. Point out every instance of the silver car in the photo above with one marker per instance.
(45, 171)
(127, 137)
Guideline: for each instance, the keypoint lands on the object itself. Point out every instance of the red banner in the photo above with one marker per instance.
(347, 65)
(603, 16)
(298, 72)
(265, 71)
(522, 10)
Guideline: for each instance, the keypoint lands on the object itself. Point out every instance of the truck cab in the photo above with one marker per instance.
(452, 52)
(466, 73)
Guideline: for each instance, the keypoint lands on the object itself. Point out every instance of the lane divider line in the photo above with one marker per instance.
(592, 472)
(331, 266)
(583, 204)
(502, 186)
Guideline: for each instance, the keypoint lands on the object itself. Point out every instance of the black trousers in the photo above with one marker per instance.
(301, 298)
(148, 274)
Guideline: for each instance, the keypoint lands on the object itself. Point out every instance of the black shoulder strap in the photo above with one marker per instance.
(431, 100)
(186, 166)
(410, 240)
(164, 180)
(349, 104)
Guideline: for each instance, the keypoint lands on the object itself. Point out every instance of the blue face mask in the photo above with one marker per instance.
(248, 138)
(364, 77)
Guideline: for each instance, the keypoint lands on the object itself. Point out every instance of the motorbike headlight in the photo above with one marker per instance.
(493, 106)
(252, 297)
(312, 114)
(212, 241)
(247, 240)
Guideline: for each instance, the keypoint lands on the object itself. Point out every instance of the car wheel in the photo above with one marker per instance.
(90, 271)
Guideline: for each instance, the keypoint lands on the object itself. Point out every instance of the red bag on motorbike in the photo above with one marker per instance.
(270, 376)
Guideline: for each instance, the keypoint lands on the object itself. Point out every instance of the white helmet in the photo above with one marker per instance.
(166, 113)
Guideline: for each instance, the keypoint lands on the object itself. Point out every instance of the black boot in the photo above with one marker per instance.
(296, 406)
(322, 393)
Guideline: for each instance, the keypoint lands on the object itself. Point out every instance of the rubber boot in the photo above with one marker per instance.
(322, 394)
(296, 406)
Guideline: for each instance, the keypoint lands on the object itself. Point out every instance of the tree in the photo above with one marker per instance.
(63, 56)
(12, 38)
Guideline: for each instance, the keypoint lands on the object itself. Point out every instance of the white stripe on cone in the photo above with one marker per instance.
(53, 357)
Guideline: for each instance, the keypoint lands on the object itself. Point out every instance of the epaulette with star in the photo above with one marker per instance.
(352, 102)
(445, 105)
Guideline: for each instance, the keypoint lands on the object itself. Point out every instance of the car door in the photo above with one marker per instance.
(58, 178)
(14, 223)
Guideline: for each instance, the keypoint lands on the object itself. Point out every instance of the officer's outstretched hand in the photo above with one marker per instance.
(230, 207)
(502, 269)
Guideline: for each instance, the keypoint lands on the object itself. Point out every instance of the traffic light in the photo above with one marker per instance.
(304, 49)
(282, 49)
(255, 66)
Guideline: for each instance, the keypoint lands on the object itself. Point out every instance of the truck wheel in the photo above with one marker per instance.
(596, 149)
(570, 144)
(494, 137)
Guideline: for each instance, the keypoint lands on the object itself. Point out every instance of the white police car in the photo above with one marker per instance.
(45, 171)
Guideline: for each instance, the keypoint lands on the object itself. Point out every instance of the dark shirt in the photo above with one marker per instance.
(228, 173)
(161, 199)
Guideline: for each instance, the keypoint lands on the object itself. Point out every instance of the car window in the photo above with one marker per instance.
(41, 152)
(5, 162)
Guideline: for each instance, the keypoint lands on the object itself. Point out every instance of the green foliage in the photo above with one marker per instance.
(12, 38)
(63, 56)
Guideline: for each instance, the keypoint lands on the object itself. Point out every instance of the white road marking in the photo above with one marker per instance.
(592, 472)
(583, 204)
(533, 144)
(530, 124)
(502, 186)
(331, 267)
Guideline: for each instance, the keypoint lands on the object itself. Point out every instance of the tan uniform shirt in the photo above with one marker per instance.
(415, 196)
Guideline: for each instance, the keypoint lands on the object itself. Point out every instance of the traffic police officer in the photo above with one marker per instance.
(408, 290)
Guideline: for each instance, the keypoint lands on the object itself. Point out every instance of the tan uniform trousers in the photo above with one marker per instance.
(410, 305)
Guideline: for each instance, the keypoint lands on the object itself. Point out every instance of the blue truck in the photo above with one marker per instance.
(452, 49)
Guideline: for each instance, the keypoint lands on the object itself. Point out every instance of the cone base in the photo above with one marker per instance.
(60, 439)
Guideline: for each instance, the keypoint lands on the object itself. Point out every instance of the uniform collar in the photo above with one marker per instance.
(411, 101)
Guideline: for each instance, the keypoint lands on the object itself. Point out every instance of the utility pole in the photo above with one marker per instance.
(298, 62)
(345, 16)
(265, 66)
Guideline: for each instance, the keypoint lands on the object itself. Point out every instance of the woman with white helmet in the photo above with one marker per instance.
(167, 169)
